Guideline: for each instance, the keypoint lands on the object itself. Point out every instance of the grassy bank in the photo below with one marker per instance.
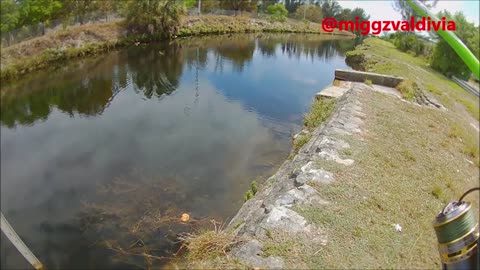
(408, 164)
(209, 249)
(410, 161)
(55, 48)
(380, 56)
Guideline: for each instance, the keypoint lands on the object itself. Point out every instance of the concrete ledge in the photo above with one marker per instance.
(331, 92)
(360, 76)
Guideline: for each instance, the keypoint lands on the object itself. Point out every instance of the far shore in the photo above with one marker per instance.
(91, 39)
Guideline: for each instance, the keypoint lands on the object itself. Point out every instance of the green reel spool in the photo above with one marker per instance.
(458, 235)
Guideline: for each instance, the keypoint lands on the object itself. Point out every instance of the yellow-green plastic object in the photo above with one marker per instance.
(457, 45)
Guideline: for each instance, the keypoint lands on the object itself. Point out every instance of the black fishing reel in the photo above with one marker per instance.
(458, 234)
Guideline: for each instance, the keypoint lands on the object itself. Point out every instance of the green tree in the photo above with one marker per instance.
(330, 8)
(292, 5)
(266, 3)
(32, 12)
(190, 3)
(406, 41)
(105, 7)
(312, 13)
(277, 12)
(208, 5)
(239, 5)
(360, 13)
(9, 16)
(406, 11)
(444, 58)
(154, 16)
(79, 8)
(345, 15)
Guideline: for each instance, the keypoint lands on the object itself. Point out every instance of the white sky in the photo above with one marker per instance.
(383, 9)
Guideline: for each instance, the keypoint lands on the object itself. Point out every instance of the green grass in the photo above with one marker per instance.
(400, 175)
(380, 56)
(319, 112)
(408, 89)
(368, 82)
(251, 191)
(437, 192)
(300, 141)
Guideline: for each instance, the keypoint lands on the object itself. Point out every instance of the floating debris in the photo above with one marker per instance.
(185, 217)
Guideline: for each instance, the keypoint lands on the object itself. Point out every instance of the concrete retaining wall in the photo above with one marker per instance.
(360, 76)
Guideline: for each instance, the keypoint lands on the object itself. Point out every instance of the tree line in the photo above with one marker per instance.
(160, 77)
(18, 13)
(439, 54)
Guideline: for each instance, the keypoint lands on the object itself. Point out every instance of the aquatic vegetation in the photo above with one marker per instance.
(132, 219)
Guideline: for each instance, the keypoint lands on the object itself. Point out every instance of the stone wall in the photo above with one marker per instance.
(272, 208)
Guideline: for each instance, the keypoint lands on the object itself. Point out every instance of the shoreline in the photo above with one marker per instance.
(340, 189)
(88, 40)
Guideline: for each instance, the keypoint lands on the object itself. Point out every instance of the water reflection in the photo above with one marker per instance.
(201, 117)
(155, 71)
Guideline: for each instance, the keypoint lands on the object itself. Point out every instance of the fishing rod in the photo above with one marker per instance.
(456, 226)
(457, 45)
(19, 244)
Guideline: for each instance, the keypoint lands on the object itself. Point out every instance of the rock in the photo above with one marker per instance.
(310, 174)
(300, 195)
(285, 219)
(250, 254)
(332, 154)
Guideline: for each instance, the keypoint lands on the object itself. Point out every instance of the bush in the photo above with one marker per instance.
(277, 12)
(445, 59)
(154, 16)
(409, 42)
(312, 13)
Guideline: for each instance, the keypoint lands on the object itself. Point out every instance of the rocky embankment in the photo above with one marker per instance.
(273, 208)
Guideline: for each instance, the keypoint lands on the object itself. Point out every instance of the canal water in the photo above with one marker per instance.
(102, 156)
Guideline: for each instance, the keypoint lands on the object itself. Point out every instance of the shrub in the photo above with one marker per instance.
(408, 89)
(312, 13)
(154, 16)
(445, 59)
(409, 42)
(277, 12)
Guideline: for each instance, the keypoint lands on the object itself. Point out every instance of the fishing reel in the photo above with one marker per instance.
(458, 234)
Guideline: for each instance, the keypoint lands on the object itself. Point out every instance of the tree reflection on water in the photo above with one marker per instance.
(155, 70)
